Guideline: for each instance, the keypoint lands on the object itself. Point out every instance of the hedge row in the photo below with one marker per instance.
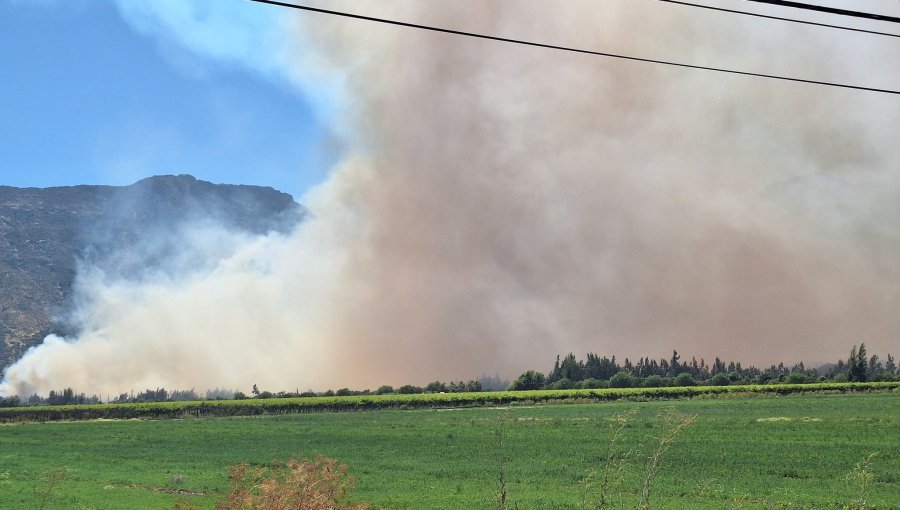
(170, 410)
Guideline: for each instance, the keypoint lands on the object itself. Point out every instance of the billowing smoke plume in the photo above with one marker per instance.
(503, 204)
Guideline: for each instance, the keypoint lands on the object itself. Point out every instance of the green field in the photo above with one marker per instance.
(762, 452)
(257, 406)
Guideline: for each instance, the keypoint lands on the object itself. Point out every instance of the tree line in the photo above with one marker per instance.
(602, 372)
(568, 372)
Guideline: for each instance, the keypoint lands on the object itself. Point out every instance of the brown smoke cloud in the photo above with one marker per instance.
(503, 204)
(517, 202)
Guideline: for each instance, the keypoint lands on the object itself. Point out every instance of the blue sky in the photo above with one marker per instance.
(109, 92)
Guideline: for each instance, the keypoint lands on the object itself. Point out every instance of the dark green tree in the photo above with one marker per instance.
(12, 401)
(857, 364)
(623, 379)
(384, 389)
(718, 366)
(554, 374)
(436, 387)
(875, 367)
(530, 380)
(673, 363)
(571, 369)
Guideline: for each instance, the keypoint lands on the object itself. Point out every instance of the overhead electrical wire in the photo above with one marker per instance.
(792, 20)
(570, 49)
(830, 10)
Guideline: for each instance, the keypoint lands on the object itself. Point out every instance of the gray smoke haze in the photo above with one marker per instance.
(503, 204)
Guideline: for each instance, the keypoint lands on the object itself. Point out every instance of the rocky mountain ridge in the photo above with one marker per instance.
(44, 232)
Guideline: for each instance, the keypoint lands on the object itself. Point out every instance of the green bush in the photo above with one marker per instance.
(716, 380)
(530, 380)
(799, 378)
(382, 390)
(562, 384)
(685, 379)
(590, 384)
(653, 381)
(622, 379)
(436, 387)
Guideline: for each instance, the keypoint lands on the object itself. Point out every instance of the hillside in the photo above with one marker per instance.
(44, 232)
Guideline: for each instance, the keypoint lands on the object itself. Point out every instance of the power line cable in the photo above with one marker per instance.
(830, 10)
(570, 49)
(792, 20)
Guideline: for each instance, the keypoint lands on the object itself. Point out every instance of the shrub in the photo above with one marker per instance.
(591, 384)
(382, 390)
(436, 387)
(653, 381)
(622, 379)
(719, 380)
(530, 380)
(562, 384)
(685, 379)
(799, 378)
(320, 484)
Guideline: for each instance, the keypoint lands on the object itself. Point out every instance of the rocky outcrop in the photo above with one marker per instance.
(45, 231)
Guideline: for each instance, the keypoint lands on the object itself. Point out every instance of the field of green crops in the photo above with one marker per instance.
(762, 452)
(167, 410)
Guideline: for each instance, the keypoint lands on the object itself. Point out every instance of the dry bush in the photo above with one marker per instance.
(320, 484)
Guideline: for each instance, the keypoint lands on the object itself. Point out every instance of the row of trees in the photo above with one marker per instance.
(55, 398)
(433, 387)
(601, 372)
(568, 372)
(69, 397)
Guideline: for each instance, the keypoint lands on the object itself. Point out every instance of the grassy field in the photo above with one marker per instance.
(762, 452)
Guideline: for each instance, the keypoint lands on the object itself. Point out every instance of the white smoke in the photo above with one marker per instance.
(505, 204)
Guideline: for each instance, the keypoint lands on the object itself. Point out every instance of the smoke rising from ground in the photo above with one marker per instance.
(503, 204)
